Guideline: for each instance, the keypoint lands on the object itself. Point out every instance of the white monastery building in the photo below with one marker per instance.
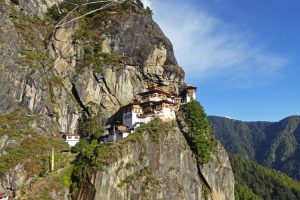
(153, 103)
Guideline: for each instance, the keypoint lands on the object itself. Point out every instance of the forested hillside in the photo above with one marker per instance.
(254, 181)
(272, 144)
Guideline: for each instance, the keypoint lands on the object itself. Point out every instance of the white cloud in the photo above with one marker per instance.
(147, 3)
(209, 49)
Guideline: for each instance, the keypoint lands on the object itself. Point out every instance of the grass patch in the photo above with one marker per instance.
(43, 188)
(28, 147)
(155, 128)
(17, 119)
(30, 150)
(39, 56)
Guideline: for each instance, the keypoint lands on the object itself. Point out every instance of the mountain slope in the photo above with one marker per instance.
(273, 144)
(254, 181)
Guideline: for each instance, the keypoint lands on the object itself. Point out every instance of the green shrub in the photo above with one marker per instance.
(94, 155)
(148, 11)
(80, 146)
(66, 176)
(15, 2)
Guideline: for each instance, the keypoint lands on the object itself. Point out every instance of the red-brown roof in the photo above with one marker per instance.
(156, 102)
(154, 91)
(3, 194)
(131, 104)
(190, 87)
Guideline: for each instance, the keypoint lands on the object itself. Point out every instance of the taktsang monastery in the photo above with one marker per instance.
(153, 103)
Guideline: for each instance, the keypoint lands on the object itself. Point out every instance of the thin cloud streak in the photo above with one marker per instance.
(209, 49)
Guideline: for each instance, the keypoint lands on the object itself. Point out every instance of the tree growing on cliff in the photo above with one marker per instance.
(92, 127)
(200, 134)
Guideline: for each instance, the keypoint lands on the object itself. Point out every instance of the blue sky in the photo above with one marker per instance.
(244, 56)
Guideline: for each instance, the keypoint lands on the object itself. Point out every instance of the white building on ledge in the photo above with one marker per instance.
(188, 94)
(154, 103)
(72, 140)
(116, 133)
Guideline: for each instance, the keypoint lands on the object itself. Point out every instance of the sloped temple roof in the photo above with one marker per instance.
(154, 91)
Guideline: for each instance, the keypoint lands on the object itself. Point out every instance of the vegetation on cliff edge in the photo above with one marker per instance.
(25, 146)
(200, 135)
(93, 156)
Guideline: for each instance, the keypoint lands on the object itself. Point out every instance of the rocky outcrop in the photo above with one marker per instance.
(15, 178)
(34, 7)
(164, 168)
(222, 182)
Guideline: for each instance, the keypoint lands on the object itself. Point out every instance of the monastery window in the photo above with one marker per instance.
(76, 137)
(69, 137)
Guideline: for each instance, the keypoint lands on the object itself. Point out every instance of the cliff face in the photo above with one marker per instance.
(45, 72)
(34, 7)
(162, 169)
(47, 83)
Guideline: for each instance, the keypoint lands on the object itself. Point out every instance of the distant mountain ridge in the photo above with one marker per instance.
(255, 182)
(273, 144)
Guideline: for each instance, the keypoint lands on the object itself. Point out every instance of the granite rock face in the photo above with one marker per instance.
(39, 73)
(221, 183)
(162, 169)
(34, 7)
(55, 90)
